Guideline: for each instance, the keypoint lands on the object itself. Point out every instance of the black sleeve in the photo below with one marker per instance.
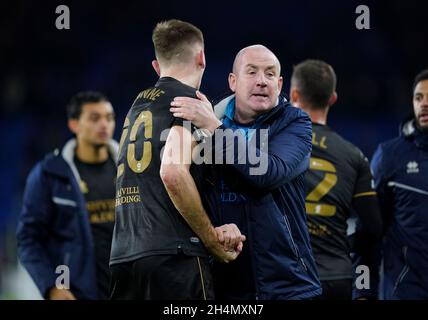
(370, 219)
(184, 123)
(367, 238)
(180, 121)
(366, 243)
(365, 201)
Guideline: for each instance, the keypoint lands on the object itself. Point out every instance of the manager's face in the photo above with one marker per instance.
(256, 81)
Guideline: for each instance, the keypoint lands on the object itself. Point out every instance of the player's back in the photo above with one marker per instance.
(338, 173)
(147, 223)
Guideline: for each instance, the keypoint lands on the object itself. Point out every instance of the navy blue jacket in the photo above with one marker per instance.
(269, 208)
(400, 169)
(53, 228)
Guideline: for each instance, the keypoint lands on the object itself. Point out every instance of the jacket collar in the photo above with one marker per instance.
(410, 131)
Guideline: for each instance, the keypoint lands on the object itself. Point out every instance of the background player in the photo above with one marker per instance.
(68, 212)
(339, 181)
(400, 168)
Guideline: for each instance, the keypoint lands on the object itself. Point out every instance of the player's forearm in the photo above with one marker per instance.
(182, 190)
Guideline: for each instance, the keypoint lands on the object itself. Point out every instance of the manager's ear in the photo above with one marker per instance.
(155, 65)
(232, 81)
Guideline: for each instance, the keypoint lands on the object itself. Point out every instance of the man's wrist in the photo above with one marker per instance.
(210, 238)
(214, 125)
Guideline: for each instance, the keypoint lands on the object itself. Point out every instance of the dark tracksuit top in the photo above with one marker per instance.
(269, 208)
(400, 169)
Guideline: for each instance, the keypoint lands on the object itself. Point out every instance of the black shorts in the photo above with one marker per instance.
(163, 277)
(336, 289)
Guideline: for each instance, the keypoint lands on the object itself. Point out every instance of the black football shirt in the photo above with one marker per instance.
(338, 173)
(147, 223)
(97, 183)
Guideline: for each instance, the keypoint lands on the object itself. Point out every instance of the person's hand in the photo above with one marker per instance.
(199, 111)
(230, 236)
(60, 294)
(217, 249)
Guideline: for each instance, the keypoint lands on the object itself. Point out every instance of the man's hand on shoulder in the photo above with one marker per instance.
(199, 111)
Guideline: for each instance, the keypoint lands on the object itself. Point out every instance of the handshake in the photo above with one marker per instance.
(228, 244)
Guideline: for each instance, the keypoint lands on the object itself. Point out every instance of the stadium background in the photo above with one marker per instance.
(108, 48)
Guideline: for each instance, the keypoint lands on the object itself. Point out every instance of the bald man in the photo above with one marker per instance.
(266, 200)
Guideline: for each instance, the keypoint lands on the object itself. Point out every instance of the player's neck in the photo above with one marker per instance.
(89, 153)
(192, 80)
(318, 116)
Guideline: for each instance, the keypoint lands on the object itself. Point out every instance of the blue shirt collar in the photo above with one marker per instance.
(230, 109)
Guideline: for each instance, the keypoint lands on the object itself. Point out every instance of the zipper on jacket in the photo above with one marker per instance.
(403, 272)
(295, 249)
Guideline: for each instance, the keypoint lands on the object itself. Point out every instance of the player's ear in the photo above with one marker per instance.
(232, 81)
(73, 125)
(155, 65)
(333, 99)
(294, 95)
(200, 59)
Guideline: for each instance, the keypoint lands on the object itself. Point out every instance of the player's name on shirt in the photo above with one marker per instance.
(128, 195)
(319, 141)
(150, 94)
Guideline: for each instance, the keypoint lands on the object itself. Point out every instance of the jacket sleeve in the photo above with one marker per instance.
(365, 201)
(33, 231)
(286, 156)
